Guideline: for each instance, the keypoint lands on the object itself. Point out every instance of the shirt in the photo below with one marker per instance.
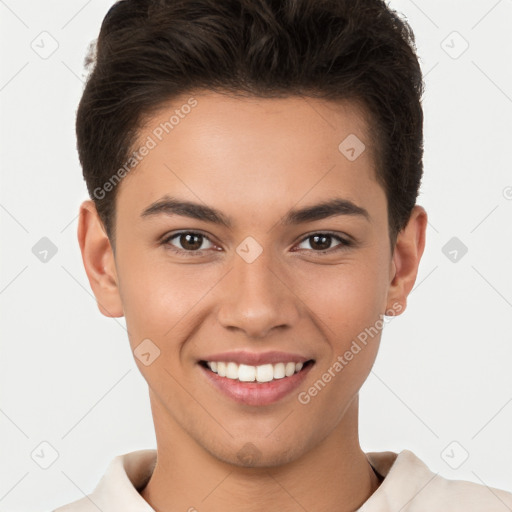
(408, 486)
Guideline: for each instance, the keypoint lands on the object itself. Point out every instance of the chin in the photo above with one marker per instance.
(255, 455)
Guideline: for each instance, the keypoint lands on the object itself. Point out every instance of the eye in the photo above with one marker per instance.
(191, 241)
(321, 242)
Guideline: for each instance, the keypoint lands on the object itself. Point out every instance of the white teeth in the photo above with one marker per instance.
(232, 370)
(279, 372)
(290, 369)
(264, 373)
(247, 373)
(221, 369)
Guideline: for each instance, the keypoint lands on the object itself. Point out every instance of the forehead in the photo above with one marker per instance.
(245, 152)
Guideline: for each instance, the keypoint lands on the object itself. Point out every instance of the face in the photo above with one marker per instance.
(251, 267)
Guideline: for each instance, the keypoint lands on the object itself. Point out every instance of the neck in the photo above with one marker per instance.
(333, 475)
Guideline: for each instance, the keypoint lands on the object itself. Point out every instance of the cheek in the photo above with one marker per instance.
(347, 297)
(150, 296)
(349, 304)
(160, 299)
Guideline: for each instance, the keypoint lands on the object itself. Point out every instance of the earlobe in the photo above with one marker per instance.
(406, 258)
(98, 260)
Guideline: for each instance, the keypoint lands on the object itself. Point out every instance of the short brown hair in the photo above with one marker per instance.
(151, 51)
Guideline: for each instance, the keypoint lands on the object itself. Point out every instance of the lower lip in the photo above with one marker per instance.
(255, 393)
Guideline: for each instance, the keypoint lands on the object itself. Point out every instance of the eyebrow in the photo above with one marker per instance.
(333, 207)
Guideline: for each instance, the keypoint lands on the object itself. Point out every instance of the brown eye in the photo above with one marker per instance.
(188, 242)
(321, 242)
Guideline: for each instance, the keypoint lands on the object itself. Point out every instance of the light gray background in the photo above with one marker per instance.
(443, 373)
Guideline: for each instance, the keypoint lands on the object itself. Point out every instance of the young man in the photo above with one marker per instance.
(253, 167)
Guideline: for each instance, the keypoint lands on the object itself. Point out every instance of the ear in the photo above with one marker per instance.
(406, 259)
(98, 259)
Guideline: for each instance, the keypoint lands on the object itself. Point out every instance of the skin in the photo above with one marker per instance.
(253, 159)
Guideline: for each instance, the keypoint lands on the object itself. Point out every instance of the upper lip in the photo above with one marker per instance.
(257, 359)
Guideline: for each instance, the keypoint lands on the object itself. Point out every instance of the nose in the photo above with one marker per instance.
(258, 297)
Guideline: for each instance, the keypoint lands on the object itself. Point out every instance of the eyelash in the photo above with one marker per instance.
(345, 243)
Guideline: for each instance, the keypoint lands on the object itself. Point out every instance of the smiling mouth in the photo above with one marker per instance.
(255, 374)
